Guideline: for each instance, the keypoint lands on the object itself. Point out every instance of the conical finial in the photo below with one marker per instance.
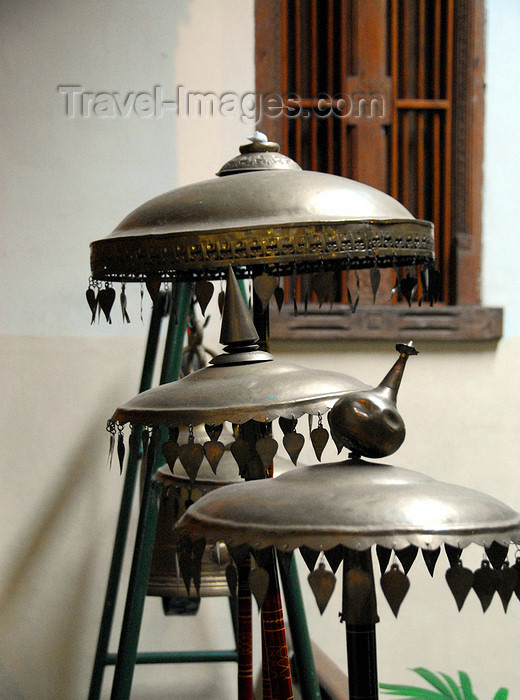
(238, 332)
(237, 325)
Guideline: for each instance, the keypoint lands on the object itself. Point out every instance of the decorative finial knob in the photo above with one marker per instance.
(368, 422)
(259, 154)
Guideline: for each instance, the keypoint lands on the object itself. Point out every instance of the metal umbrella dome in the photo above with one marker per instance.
(244, 385)
(262, 211)
(353, 503)
(338, 511)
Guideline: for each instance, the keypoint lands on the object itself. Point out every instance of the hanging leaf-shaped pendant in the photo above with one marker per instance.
(105, 300)
(170, 452)
(214, 451)
(352, 303)
(191, 456)
(322, 583)
(430, 557)
(240, 451)
(293, 443)
(375, 279)
(322, 284)
(123, 303)
(408, 288)
(395, 586)
(259, 583)
(460, 582)
(204, 291)
(120, 451)
(506, 584)
(279, 296)
(319, 439)
(92, 302)
(264, 286)
(266, 448)
(485, 582)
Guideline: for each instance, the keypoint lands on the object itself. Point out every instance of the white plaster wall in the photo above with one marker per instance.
(67, 181)
(501, 243)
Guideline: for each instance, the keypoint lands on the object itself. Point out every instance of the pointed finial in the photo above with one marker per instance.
(238, 332)
(237, 325)
(392, 380)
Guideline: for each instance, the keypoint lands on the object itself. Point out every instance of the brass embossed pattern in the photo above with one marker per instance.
(281, 249)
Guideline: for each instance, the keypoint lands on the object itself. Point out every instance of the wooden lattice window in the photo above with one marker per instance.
(390, 93)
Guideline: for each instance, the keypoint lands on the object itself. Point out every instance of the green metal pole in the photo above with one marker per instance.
(143, 549)
(181, 657)
(176, 331)
(308, 677)
(123, 521)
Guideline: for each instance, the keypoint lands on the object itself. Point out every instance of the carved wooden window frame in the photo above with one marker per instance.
(461, 317)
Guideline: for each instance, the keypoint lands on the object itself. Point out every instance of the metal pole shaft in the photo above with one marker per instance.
(359, 612)
(362, 662)
(309, 684)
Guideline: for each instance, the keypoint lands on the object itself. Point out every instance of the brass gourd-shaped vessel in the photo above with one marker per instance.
(368, 422)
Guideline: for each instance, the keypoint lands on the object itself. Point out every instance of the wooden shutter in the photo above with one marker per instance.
(404, 79)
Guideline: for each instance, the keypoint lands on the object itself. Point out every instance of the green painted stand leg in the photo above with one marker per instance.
(114, 576)
(127, 651)
(131, 626)
(308, 678)
(171, 361)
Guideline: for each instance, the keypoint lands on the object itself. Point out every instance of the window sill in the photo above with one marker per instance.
(478, 323)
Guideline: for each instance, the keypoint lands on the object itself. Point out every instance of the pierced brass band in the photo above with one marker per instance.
(281, 249)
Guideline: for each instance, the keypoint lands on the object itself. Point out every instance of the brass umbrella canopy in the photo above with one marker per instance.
(266, 217)
(245, 386)
(249, 388)
(262, 211)
(337, 512)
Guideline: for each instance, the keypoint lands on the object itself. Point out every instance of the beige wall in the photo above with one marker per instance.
(67, 181)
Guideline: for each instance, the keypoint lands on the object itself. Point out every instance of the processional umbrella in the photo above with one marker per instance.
(247, 388)
(337, 512)
(267, 217)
